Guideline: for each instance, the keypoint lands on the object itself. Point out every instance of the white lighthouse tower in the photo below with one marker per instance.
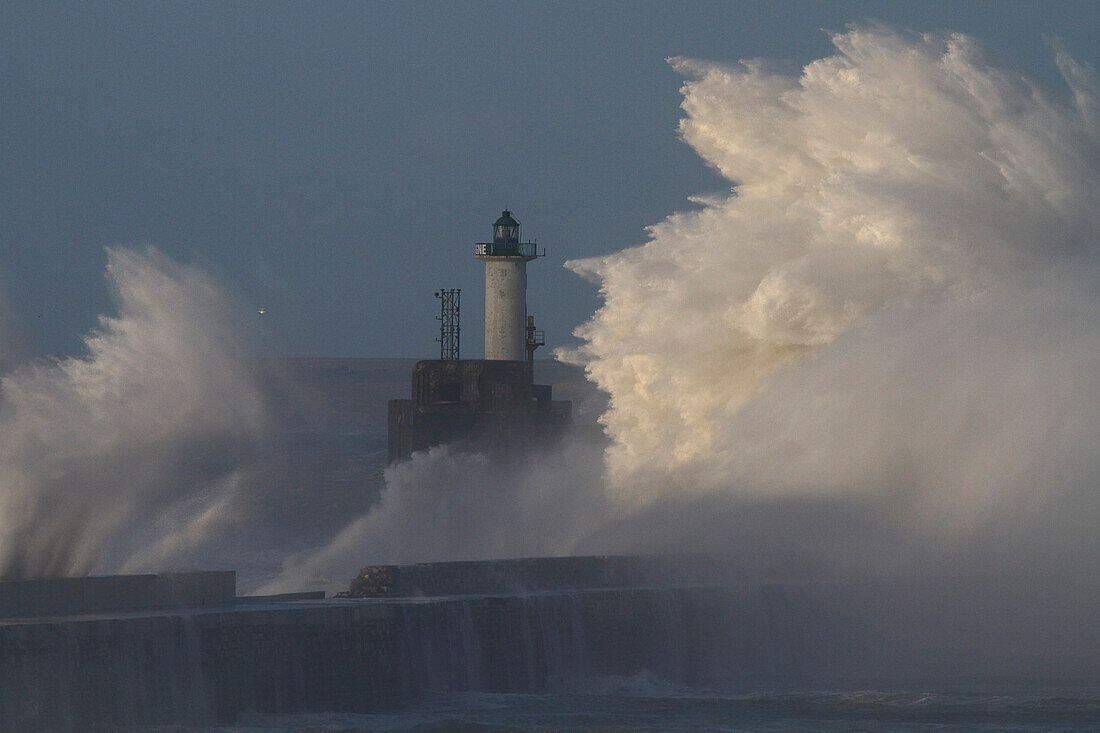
(506, 261)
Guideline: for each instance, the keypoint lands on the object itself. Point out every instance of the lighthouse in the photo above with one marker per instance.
(490, 405)
(506, 259)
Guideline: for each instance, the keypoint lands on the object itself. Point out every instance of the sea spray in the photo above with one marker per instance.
(444, 504)
(127, 457)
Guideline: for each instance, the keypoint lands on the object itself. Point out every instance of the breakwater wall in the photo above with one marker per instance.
(528, 574)
(209, 666)
(96, 594)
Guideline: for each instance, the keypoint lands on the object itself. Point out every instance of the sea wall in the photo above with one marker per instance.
(495, 576)
(531, 574)
(96, 594)
(210, 666)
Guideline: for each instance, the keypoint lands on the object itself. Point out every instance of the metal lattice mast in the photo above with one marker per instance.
(448, 324)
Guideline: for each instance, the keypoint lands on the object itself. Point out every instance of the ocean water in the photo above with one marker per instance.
(643, 703)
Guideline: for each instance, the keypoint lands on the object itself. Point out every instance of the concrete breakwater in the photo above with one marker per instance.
(210, 665)
(527, 574)
(96, 594)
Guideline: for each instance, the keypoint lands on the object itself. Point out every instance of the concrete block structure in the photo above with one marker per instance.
(478, 404)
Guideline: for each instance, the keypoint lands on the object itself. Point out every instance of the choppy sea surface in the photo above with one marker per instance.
(640, 703)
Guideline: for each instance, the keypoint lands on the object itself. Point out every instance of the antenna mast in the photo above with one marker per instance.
(448, 323)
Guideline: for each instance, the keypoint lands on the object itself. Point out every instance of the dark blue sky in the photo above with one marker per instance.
(334, 162)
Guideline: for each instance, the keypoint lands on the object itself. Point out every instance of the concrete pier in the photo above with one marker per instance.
(97, 594)
(206, 666)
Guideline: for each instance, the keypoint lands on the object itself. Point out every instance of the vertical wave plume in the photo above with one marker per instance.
(903, 192)
(123, 458)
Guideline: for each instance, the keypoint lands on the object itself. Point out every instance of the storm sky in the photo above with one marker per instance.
(333, 163)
